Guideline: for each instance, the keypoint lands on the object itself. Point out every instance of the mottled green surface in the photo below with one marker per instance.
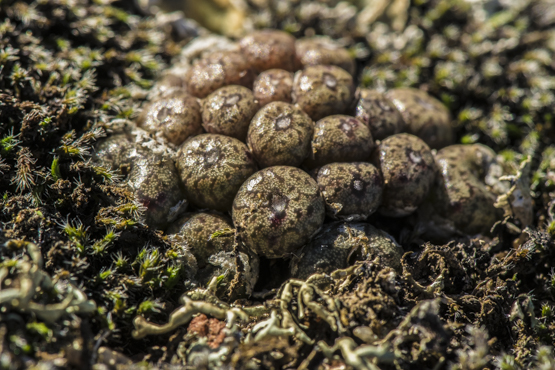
(219, 69)
(351, 190)
(341, 243)
(176, 118)
(155, 182)
(194, 231)
(339, 138)
(228, 111)
(277, 210)
(212, 168)
(425, 116)
(280, 135)
(379, 113)
(322, 90)
(408, 170)
(462, 194)
(269, 49)
(273, 85)
(320, 50)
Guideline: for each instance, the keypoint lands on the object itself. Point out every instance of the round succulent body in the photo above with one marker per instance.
(116, 152)
(277, 210)
(379, 113)
(212, 168)
(408, 170)
(351, 191)
(176, 117)
(339, 138)
(339, 244)
(196, 233)
(462, 195)
(322, 90)
(170, 85)
(273, 85)
(425, 116)
(218, 69)
(268, 49)
(155, 184)
(228, 111)
(321, 50)
(280, 134)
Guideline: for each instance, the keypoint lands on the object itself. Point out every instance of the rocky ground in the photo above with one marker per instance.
(82, 278)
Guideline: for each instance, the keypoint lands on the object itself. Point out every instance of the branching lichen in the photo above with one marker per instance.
(186, 312)
(31, 279)
(361, 357)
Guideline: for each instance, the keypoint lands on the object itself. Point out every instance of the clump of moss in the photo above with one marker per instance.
(69, 72)
(489, 65)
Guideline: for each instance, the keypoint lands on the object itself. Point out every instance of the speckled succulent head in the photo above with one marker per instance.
(194, 232)
(425, 116)
(273, 85)
(116, 152)
(268, 49)
(323, 90)
(379, 113)
(280, 135)
(155, 184)
(176, 117)
(228, 111)
(339, 138)
(339, 244)
(463, 196)
(352, 191)
(322, 50)
(408, 170)
(212, 168)
(277, 210)
(219, 69)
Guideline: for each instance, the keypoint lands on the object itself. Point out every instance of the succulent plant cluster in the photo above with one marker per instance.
(248, 162)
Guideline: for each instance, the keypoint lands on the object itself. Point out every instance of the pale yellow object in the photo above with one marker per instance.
(228, 17)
